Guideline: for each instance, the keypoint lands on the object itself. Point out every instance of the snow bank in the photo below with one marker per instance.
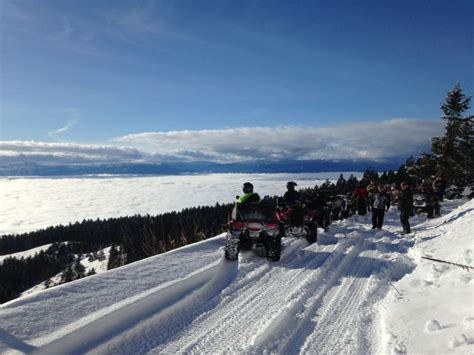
(435, 312)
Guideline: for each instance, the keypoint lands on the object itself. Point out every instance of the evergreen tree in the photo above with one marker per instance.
(114, 258)
(67, 275)
(403, 176)
(370, 175)
(352, 183)
(150, 244)
(78, 269)
(341, 185)
(454, 151)
(425, 167)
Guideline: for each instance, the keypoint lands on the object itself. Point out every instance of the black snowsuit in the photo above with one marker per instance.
(380, 201)
(292, 197)
(319, 204)
(405, 205)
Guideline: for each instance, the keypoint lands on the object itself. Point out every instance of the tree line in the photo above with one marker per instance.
(131, 238)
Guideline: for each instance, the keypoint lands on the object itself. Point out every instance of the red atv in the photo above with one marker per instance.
(253, 225)
(299, 221)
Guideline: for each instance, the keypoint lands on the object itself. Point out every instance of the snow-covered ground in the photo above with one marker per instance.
(98, 265)
(25, 254)
(28, 204)
(357, 291)
(434, 314)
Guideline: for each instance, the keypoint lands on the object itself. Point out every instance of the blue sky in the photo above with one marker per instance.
(129, 72)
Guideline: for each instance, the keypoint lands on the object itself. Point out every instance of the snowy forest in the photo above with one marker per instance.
(136, 237)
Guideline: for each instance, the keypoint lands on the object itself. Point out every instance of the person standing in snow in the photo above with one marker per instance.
(380, 202)
(438, 187)
(371, 190)
(361, 197)
(431, 199)
(394, 192)
(405, 205)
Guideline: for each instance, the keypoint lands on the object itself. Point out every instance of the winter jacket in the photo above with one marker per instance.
(361, 192)
(380, 201)
(249, 197)
(405, 201)
(292, 197)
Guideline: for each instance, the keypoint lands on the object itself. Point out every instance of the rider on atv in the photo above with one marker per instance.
(292, 197)
(249, 196)
(296, 218)
(253, 223)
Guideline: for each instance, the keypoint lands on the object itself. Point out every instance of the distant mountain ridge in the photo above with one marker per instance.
(175, 168)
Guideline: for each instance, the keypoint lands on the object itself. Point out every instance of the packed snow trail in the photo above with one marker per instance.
(224, 316)
(324, 298)
(166, 303)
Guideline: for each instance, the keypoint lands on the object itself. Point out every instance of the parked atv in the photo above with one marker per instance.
(453, 192)
(299, 221)
(253, 226)
(419, 203)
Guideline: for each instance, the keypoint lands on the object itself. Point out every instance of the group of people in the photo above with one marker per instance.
(379, 198)
(376, 198)
(433, 193)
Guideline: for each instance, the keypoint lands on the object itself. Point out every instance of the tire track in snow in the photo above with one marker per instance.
(300, 313)
(233, 324)
(164, 306)
(148, 322)
(244, 284)
(339, 313)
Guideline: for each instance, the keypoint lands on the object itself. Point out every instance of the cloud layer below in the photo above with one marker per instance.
(365, 140)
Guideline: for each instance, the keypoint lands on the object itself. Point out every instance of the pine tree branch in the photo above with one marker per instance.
(462, 266)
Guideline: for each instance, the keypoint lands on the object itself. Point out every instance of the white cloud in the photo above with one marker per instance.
(74, 119)
(66, 153)
(397, 137)
(61, 130)
(364, 140)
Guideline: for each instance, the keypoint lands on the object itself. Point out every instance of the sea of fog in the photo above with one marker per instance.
(28, 204)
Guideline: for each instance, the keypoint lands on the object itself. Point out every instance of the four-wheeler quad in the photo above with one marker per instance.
(253, 226)
(298, 220)
(419, 203)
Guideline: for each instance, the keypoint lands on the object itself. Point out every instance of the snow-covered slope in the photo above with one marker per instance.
(434, 312)
(25, 254)
(337, 296)
(97, 266)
